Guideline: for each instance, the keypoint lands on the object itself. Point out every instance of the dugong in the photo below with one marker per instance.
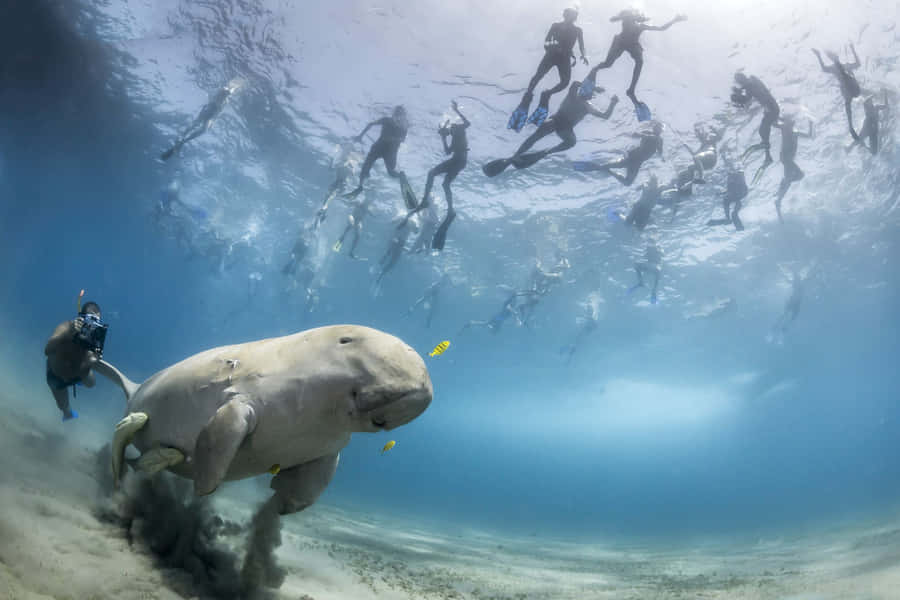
(285, 405)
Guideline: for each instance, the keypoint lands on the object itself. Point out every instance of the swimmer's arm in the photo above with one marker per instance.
(804, 133)
(581, 45)
(855, 64)
(821, 62)
(370, 126)
(446, 145)
(663, 27)
(465, 121)
(62, 333)
(604, 115)
(550, 36)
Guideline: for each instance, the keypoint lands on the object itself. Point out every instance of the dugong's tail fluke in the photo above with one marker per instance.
(116, 376)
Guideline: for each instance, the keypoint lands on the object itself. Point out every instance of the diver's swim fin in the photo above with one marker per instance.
(653, 298)
(760, 171)
(613, 215)
(73, 414)
(409, 197)
(523, 161)
(440, 236)
(354, 193)
(642, 111)
(495, 167)
(540, 113)
(170, 152)
(588, 85)
(520, 115)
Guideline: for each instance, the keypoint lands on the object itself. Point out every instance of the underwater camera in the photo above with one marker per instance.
(92, 334)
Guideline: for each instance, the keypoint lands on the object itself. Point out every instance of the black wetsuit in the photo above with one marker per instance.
(735, 191)
(559, 44)
(651, 143)
(849, 85)
(758, 90)
(870, 127)
(571, 111)
(792, 172)
(386, 147)
(453, 166)
(640, 213)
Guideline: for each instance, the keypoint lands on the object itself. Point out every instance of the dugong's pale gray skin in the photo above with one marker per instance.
(286, 405)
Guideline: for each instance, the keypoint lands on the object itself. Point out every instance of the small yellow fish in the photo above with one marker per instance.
(439, 349)
(388, 446)
(275, 469)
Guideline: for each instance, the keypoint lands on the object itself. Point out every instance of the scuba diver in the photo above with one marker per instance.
(458, 148)
(558, 46)
(343, 165)
(746, 90)
(869, 128)
(74, 348)
(207, 115)
(361, 209)
(394, 250)
(587, 324)
(572, 110)
(650, 265)
(628, 40)
(704, 159)
(735, 191)
(298, 254)
(849, 85)
(651, 143)
(429, 299)
(386, 147)
(495, 323)
(792, 172)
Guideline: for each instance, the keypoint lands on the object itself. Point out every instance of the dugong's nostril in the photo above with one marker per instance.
(346, 340)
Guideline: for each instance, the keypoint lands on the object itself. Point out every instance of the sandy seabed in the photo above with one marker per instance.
(54, 544)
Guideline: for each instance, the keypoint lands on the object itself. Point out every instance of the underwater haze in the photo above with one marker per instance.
(599, 417)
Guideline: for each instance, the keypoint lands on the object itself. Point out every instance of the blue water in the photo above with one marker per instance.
(662, 425)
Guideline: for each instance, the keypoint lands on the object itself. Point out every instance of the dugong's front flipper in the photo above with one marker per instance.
(298, 487)
(125, 430)
(219, 441)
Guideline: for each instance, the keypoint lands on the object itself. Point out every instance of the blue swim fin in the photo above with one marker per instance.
(73, 415)
(540, 113)
(642, 111)
(653, 298)
(633, 288)
(613, 215)
(520, 115)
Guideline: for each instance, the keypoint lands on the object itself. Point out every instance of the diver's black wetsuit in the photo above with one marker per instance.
(869, 128)
(640, 213)
(756, 89)
(792, 172)
(735, 191)
(386, 147)
(628, 40)
(559, 43)
(849, 84)
(651, 143)
(571, 111)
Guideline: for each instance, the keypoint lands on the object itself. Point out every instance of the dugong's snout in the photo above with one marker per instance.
(400, 391)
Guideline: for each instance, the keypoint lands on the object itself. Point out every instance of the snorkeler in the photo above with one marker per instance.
(746, 90)
(361, 210)
(792, 172)
(298, 253)
(74, 349)
(458, 148)
(651, 143)
(704, 159)
(572, 110)
(343, 165)
(558, 46)
(869, 128)
(496, 322)
(429, 300)
(849, 85)
(395, 249)
(735, 191)
(640, 212)
(650, 265)
(386, 147)
(794, 302)
(539, 286)
(587, 324)
(205, 119)
(628, 40)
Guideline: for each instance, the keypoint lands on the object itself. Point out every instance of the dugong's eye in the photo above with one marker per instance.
(346, 340)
